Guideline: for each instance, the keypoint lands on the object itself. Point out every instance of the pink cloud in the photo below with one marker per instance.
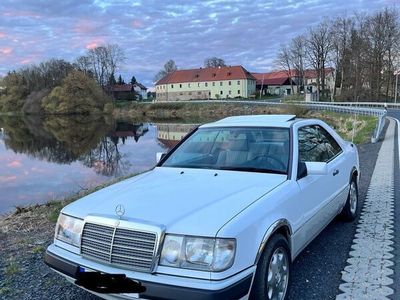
(94, 43)
(137, 24)
(25, 61)
(84, 26)
(2, 35)
(14, 164)
(5, 179)
(6, 50)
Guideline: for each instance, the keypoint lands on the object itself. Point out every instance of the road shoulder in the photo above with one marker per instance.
(369, 270)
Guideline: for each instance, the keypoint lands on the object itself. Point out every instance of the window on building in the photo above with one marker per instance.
(206, 84)
(213, 83)
(172, 86)
(220, 83)
(181, 94)
(188, 84)
(238, 92)
(190, 93)
(230, 83)
(238, 82)
(180, 85)
(198, 84)
(220, 92)
(230, 92)
(198, 93)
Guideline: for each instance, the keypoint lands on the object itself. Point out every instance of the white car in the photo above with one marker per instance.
(221, 216)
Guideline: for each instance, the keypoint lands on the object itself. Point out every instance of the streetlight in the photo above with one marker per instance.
(395, 88)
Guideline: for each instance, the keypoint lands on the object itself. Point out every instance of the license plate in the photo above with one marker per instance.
(84, 270)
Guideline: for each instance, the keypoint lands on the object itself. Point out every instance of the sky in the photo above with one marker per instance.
(247, 33)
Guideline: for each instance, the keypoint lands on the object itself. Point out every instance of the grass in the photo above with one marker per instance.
(5, 290)
(12, 268)
(343, 124)
(38, 249)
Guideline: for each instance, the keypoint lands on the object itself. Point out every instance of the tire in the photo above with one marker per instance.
(350, 209)
(272, 279)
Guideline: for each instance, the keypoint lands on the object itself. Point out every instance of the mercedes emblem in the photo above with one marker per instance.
(120, 210)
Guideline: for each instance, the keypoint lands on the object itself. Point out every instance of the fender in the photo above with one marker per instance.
(281, 223)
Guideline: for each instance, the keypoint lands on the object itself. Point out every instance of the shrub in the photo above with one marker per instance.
(78, 94)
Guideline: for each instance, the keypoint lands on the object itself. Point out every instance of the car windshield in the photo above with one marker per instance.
(264, 149)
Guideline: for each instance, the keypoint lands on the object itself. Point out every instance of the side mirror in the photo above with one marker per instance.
(317, 168)
(159, 156)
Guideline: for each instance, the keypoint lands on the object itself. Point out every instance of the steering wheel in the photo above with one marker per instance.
(271, 157)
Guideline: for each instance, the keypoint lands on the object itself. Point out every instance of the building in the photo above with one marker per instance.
(206, 83)
(170, 135)
(275, 83)
(129, 91)
(141, 90)
(279, 82)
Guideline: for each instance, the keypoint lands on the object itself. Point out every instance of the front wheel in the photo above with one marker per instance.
(272, 277)
(349, 211)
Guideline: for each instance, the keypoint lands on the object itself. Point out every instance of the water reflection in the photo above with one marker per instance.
(44, 158)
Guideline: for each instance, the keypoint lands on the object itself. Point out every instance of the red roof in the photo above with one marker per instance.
(206, 74)
(278, 76)
(122, 87)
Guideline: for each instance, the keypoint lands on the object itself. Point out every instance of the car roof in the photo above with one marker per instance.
(253, 121)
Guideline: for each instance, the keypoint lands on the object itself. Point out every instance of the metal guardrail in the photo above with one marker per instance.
(360, 108)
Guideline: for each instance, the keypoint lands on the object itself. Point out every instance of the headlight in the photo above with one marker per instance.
(69, 230)
(198, 253)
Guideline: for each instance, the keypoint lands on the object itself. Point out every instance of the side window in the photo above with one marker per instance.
(316, 144)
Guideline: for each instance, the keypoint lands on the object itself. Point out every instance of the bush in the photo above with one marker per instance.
(78, 94)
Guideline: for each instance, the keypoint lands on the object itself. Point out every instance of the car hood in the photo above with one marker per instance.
(185, 201)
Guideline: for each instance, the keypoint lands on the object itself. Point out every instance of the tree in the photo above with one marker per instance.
(169, 67)
(112, 80)
(319, 46)
(297, 55)
(133, 80)
(77, 94)
(284, 61)
(101, 62)
(120, 80)
(214, 62)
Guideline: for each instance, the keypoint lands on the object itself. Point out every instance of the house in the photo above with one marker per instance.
(141, 90)
(275, 83)
(279, 82)
(206, 83)
(135, 91)
(169, 135)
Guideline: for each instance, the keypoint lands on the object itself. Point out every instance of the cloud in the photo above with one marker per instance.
(6, 50)
(152, 32)
(14, 164)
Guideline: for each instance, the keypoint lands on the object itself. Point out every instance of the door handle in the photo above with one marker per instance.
(335, 172)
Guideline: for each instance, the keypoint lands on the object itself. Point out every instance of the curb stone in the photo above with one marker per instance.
(369, 270)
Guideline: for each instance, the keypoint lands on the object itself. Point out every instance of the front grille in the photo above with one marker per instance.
(127, 248)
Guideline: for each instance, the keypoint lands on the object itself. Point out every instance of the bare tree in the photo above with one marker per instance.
(284, 61)
(169, 67)
(319, 46)
(101, 62)
(298, 55)
(214, 62)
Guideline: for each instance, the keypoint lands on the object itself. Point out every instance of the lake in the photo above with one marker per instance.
(45, 158)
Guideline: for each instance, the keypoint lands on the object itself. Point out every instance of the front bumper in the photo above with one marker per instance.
(163, 286)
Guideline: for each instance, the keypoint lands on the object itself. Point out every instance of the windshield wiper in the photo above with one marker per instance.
(252, 169)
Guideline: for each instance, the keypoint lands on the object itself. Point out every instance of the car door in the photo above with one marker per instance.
(318, 192)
